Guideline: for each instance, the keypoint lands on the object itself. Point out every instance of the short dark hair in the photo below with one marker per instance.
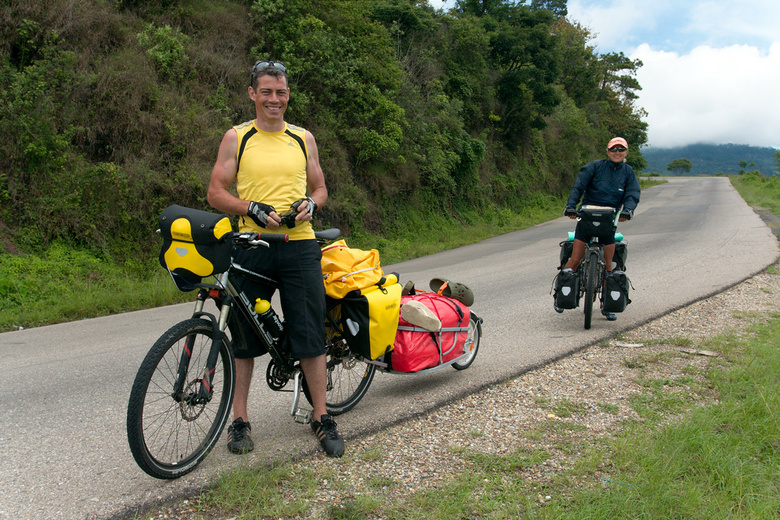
(267, 68)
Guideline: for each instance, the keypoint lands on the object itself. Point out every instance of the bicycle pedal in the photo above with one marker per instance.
(302, 416)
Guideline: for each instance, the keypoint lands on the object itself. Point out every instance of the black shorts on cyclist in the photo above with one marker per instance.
(296, 266)
(605, 239)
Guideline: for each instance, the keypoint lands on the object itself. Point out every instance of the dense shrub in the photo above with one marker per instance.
(111, 111)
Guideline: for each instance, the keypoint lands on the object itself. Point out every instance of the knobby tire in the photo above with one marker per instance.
(169, 438)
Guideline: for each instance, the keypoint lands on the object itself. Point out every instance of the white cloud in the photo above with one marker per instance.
(726, 95)
(711, 67)
(442, 4)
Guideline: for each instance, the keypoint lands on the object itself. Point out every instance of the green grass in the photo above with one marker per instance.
(758, 190)
(720, 461)
(66, 284)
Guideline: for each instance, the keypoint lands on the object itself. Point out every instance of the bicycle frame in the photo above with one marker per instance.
(226, 296)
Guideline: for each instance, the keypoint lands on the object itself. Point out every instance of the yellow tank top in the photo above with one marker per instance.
(272, 170)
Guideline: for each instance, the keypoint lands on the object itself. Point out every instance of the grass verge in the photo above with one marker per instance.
(66, 284)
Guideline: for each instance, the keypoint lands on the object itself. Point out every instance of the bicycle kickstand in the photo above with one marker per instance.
(299, 415)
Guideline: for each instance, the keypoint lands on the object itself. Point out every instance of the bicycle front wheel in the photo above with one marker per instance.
(591, 281)
(170, 432)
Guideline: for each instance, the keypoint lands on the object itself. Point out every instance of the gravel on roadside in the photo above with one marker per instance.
(590, 389)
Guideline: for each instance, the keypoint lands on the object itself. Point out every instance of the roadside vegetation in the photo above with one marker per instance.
(759, 190)
(430, 125)
(67, 284)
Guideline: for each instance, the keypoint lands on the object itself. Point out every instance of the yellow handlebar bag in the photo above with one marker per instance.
(345, 269)
(196, 243)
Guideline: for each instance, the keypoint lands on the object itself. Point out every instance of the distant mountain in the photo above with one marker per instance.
(711, 159)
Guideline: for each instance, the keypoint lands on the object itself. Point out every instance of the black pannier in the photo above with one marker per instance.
(567, 289)
(614, 297)
(566, 248)
(621, 255)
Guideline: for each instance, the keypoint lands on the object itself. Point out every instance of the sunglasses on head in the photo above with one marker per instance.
(262, 65)
(618, 149)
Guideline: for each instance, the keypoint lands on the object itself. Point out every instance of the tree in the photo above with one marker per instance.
(776, 155)
(523, 53)
(678, 166)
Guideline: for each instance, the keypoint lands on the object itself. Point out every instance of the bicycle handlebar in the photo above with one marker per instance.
(252, 239)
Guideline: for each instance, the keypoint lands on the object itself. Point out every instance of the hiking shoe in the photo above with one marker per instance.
(611, 316)
(325, 430)
(239, 440)
(557, 309)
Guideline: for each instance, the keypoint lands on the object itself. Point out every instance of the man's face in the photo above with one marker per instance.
(270, 97)
(617, 153)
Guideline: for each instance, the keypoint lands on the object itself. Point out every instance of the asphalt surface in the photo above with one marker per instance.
(63, 446)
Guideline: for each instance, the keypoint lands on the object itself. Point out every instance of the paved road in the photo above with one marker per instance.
(63, 448)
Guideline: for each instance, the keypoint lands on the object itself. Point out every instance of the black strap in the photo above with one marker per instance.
(252, 131)
(299, 141)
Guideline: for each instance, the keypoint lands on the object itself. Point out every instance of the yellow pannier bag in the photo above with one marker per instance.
(196, 244)
(345, 269)
(369, 317)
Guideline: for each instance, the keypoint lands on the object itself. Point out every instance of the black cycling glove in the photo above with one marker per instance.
(625, 215)
(259, 212)
(569, 212)
(311, 206)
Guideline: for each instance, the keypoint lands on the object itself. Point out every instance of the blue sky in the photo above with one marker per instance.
(711, 69)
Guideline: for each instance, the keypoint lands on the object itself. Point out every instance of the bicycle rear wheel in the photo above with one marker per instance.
(348, 378)
(472, 343)
(169, 434)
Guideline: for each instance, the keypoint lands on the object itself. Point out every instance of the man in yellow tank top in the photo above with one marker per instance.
(276, 166)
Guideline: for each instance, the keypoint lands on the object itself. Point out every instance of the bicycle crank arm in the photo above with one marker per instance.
(299, 415)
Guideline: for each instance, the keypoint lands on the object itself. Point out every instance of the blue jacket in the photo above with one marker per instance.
(605, 183)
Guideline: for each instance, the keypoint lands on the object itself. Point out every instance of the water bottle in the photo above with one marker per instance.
(269, 317)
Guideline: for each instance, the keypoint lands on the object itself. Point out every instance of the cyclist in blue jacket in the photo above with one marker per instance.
(606, 182)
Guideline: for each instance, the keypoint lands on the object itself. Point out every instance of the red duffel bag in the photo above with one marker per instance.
(417, 349)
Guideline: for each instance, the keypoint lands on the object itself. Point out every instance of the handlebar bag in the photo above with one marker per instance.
(345, 269)
(196, 243)
(417, 349)
(614, 297)
(597, 220)
(368, 318)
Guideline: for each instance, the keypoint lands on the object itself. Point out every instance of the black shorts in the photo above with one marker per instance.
(296, 267)
(604, 239)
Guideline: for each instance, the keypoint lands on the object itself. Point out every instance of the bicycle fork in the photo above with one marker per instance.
(205, 389)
